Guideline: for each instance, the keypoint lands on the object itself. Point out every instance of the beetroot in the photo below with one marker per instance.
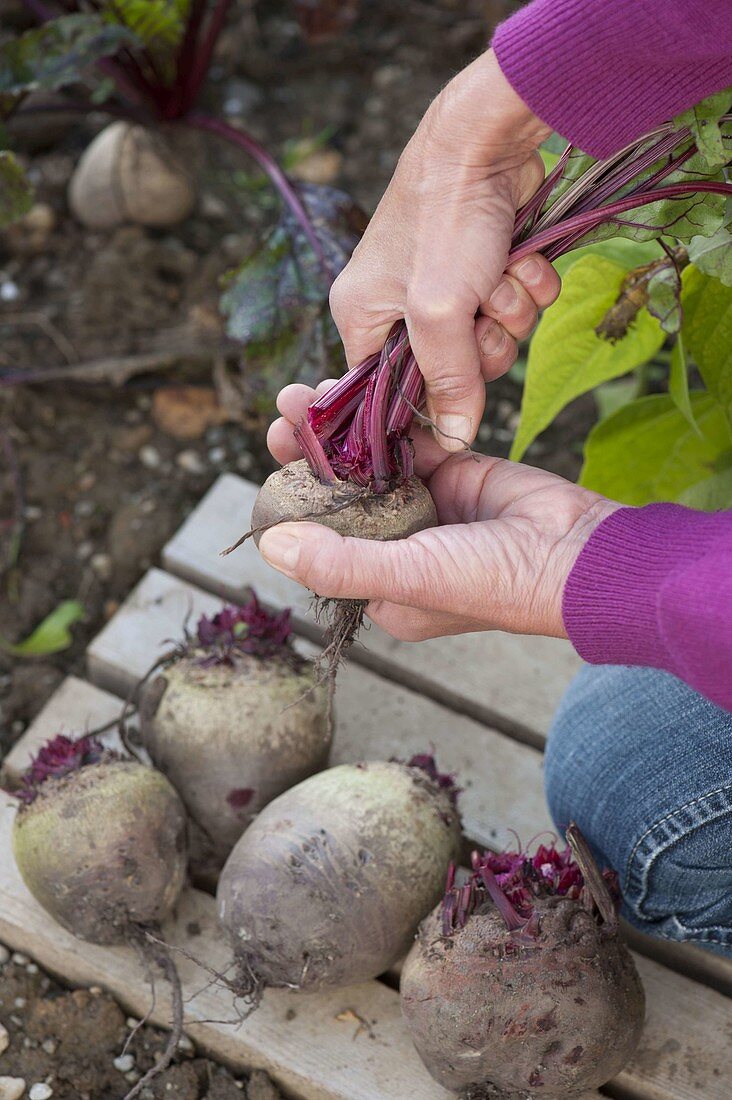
(518, 985)
(235, 719)
(99, 841)
(328, 885)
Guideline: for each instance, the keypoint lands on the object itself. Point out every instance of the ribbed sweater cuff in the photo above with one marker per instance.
(602, 74)
(612, 599)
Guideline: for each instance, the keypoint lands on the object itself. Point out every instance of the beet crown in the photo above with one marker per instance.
(58, 757)
(515, 881)
(247, 629)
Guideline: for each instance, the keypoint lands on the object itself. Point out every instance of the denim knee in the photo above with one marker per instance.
(643, 764)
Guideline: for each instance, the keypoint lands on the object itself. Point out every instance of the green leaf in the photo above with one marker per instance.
(611, 396)
(703, 120)
(713, 255)
(51, 636)
(663, 297)
(154, 22)
(58, 53)
(621, 250)
(711, 494)
(567, 358)
(16, 193)
(678, 383)
(276, 303)
(649, 452)
(707, 332)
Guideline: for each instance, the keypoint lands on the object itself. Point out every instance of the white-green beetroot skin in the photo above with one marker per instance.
(230, 738)
(103, 848)
(327, 887)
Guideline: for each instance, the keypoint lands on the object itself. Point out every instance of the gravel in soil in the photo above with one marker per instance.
(77, 1043)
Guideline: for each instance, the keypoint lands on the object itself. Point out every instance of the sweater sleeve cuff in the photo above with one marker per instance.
(602, 75)
(611, 603)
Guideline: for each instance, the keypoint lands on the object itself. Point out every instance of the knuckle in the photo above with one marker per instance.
(429, 310)
(449, 386)
(341, 297)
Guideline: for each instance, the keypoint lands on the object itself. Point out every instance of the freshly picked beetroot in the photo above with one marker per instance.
(518, 986)
(99, 841)
(329, 884)
(233, 720)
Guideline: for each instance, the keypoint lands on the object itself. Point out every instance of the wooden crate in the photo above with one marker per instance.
(469, 694)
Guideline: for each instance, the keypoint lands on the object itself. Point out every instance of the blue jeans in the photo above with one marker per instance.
(643, 764)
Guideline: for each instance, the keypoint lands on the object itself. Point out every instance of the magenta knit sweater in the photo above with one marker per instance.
(653, 585)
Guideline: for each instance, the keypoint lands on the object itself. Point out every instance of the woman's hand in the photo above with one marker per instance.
(510, 535)
(437, 246)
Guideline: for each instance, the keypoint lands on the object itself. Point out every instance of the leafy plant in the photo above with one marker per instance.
(147, 61)
(639, 297)
(50, 636)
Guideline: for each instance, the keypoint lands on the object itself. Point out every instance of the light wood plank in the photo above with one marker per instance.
(313, 1053)
(507, 680)
(155, 613)
(683, 1052)
(376, 719)
(75, 708)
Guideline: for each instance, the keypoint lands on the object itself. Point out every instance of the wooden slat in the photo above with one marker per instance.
(76, 707)
(682, 1056)
(375, 719)
(507, 680)
(511, 682)
(299, 1041)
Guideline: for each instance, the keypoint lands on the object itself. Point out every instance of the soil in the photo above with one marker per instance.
(95, 477)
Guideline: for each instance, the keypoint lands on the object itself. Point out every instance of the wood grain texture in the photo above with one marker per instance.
(511, 681)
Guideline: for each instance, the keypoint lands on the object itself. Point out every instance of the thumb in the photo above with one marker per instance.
(350, 568)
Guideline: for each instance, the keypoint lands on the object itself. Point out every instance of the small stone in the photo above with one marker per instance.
(124, 1063)
(217, 454)
(84, 550)
(388, 75)
(84, 507)
(102, 565)
(9, 291)
(321, 166)
(244, 463)
(96, 990)
(131, 1022)
(190, 461)
(512, 421)
(87, 481)
(40, 1091)
(4, 954)
(212, 206)
(20, 1002)
(149, 457)
(32, 968)
(4, 1039)
(41, 218)
(133, 1076)
(48, 1046)
(32, 513)
(485, 432)
(11, 1088)
(19, 959)
(185, 1044)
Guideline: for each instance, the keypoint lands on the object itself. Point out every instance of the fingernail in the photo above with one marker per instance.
(280, 549)
(453, 432)
(492, 339)
(504, 297)
(530, 272)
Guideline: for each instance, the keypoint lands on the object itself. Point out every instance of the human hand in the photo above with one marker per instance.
(508, 539)
(437, 246)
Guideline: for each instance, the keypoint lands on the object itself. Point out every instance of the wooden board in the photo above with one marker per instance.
(682, 1056)
(312, 1046)
(511, 682)
(375, 719)
(506, 680)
